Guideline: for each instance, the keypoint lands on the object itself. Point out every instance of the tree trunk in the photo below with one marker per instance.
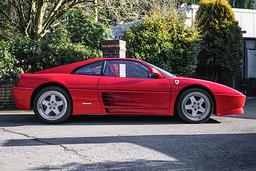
(35, 17)
(42, 5)
(233, 81)
(95, 3)
(216, 77)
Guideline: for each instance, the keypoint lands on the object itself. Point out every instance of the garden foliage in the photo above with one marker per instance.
(221, 40)
(73, 41)
(166, 42)
(34, 55)
(8, 63)
(83, 29)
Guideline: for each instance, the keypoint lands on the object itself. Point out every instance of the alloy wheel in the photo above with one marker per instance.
(52, 105)
(196, 106)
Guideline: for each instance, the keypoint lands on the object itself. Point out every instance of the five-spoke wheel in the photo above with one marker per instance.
(52, 105)
(195, 105)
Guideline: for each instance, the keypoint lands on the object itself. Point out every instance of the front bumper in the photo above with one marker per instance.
(230, 104)
(22, 97)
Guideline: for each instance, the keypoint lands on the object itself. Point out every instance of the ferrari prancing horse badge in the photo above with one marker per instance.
(177, 82)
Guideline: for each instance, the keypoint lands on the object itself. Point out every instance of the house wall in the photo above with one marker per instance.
(249, 58)
(246, 19)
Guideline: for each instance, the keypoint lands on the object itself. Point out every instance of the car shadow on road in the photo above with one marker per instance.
(186, 152)
(8, 120)
(144, 165)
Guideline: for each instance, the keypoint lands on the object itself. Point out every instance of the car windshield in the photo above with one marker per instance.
(161, 70)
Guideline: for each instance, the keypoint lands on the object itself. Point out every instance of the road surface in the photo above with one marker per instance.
(128, 143)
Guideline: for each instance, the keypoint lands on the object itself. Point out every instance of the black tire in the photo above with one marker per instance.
(68, 106)
(183, 112)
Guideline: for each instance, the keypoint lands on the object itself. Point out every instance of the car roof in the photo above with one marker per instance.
(102, 59)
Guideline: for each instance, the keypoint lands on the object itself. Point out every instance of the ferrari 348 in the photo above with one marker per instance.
(111, 86)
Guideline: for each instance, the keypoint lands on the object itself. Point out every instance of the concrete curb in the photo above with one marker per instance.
(16, 112)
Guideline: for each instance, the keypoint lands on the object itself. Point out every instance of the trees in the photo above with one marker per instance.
(188, 1)
(50, 51)
(113, 12)
(164, 41)
(221, 40)
(75, 39)
(33, 18)
(8, 62)
(83, 28)
(249, 4)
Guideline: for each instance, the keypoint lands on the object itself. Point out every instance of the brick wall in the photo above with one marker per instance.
(6, 98)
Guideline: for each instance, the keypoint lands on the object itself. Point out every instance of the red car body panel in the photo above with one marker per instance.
(228, 101)
(115, 95)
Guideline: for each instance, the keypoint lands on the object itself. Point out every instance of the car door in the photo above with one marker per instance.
(83, 85)
(127, 88)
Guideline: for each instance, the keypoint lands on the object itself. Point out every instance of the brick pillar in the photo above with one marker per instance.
(114, 49)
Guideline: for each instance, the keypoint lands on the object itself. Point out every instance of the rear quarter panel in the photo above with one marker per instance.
(83, 90)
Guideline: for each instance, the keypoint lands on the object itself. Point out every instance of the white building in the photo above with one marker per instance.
(247, 21)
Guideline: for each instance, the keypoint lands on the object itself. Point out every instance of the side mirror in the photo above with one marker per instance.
(154, 76)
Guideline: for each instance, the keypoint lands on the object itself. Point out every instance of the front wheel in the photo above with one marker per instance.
(195, 105)
(52, 105)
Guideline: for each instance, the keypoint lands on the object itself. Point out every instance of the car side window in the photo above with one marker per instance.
(90, 69)
(127, 69)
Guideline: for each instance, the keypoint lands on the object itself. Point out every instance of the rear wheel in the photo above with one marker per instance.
(195, 105)
(52, 105)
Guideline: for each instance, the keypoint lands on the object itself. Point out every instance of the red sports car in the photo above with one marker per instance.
(112, 86)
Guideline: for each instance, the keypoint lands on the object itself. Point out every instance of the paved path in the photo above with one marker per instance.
(128, 143)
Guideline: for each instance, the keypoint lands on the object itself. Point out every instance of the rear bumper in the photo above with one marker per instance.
(230, 104)
(22, 97)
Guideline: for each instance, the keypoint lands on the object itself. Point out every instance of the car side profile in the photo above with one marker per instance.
(122, 86)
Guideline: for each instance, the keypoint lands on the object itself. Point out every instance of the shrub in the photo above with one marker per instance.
(68, 53)
(28, 53)
(166, 42)
(221, 40)
(35, 55)
(77, 39)
(8, 63)
(83, 28)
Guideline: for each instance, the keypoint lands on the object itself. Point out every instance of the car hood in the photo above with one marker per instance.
(216, 88)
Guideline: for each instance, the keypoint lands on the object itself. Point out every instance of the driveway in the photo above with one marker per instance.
(128, 143)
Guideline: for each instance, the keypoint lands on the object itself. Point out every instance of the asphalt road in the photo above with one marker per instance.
(128, 143)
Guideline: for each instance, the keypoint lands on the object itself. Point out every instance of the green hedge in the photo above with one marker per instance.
(166, 42)
(8, 63)
(221, 43)
(24, 54)
(37, 55)
(78, 38)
